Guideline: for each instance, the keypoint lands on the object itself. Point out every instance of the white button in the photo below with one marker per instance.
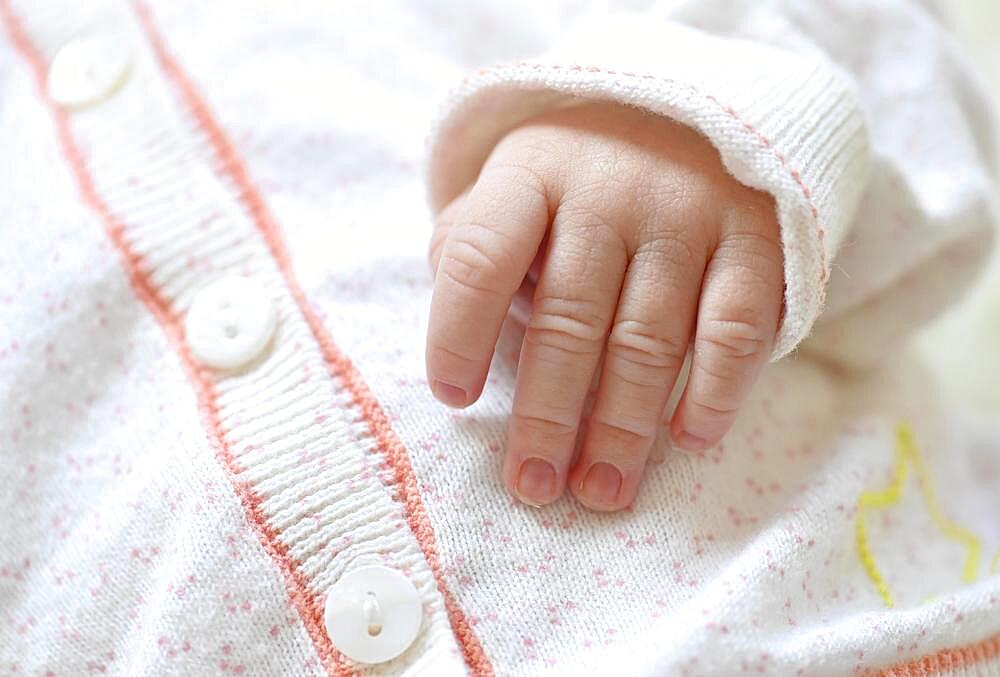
(373, 614)
(88, 69)
(230, 322)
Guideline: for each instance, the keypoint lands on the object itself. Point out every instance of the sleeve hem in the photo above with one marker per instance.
(782, 123)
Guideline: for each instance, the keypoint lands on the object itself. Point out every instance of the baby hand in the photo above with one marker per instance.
(646, 246)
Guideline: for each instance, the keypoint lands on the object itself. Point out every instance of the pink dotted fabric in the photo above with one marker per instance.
(162, 519)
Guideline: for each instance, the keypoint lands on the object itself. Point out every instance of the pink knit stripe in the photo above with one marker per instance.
(305, 601)
(340, 366)
(948, 659)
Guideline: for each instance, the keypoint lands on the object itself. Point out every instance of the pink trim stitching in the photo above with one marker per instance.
(306, 603)
(339, 365)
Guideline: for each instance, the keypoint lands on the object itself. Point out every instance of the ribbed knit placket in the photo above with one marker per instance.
(321, 478)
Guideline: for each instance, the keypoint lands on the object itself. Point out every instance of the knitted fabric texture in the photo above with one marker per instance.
(164, 518)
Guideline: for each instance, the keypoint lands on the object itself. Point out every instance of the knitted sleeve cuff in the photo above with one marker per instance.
(783, 122)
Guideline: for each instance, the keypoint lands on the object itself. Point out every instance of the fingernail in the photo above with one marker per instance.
(451, 395)
(686, 440)
(602, 484)
(536, 482)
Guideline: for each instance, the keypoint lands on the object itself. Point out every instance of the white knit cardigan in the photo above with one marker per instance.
(162, 517)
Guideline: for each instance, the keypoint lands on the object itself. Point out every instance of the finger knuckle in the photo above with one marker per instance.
(575, 326)
(473, 263)
(645, 345)
(753, 212)
(626, 433)
(591, 213)
(522, 178)
(720, 387)
(544, 426)
(731, 339)
(758, 257)
(685, 190)
(441, 352)
(707, 407)
(681, 197)
(669, 251)
(522, 172)
(597, 188)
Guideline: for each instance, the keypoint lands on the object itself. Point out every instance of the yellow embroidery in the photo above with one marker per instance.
(907, 455)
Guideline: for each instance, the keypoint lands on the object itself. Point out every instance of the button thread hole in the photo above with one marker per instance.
(373, 614)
